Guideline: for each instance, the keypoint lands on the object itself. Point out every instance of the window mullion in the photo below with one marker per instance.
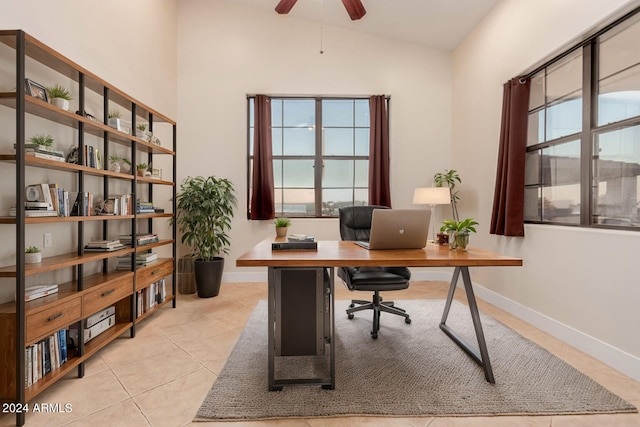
(589, 96)
(319, 159)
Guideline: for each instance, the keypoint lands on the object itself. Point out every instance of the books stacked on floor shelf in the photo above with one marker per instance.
(142, 259)
(145, 207)
(141, 239)
(39, 291)
(43, 152)
(104, 246)
(147, 298)
(45, 356)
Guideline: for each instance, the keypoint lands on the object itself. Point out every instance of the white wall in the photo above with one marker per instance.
(579, 284)
(226, 52)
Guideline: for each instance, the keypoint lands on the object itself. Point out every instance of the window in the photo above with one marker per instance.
(583, 144)
(320, 154)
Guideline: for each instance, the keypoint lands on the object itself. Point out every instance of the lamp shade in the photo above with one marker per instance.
(431, 196)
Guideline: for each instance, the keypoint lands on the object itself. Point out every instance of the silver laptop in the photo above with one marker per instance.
(398, 229)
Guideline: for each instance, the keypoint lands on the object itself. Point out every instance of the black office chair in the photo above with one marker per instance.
(355, 224)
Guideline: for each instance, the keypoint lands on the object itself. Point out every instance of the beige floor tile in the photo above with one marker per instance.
(161, 376)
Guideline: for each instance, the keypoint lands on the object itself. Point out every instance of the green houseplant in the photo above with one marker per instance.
(59, 96)
(459, 232)
(282, 225)
(42, 140)
(204, 213)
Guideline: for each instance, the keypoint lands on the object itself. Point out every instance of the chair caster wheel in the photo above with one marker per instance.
(350, 316)
(352, 305)
(328, 387)
(374, 335)
(407, 320)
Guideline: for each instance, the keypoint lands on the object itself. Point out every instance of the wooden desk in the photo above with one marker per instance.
(332, 254)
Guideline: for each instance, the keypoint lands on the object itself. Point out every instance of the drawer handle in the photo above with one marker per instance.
(155, 271)
(109, 292)
(56, 316)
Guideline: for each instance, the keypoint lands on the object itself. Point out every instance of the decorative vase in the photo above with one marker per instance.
(114, 167)
(125, 167)
(60, 103)
(32, 257)
(281, 231)
(458, 240)
(442, 238)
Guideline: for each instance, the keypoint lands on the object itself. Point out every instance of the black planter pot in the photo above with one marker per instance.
(208, 276)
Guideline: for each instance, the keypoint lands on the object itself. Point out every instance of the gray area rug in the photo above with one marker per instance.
(410, 370)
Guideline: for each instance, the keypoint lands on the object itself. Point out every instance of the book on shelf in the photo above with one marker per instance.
(32, 213)
(34, 292)
(142, 239)
(39, 193)
(47, 156)
(106, 249)
(124, 261)
(103, 244)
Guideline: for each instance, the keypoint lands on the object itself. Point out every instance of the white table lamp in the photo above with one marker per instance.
(432, 196)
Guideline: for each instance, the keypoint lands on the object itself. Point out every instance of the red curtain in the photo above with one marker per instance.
(507, 218)
(379, 190)
(262, 203)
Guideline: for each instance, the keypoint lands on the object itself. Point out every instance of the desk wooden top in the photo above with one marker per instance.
(332, 253)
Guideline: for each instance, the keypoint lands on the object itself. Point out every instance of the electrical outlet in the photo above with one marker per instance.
(47, 240)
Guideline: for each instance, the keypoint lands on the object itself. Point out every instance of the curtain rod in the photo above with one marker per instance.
(581, 44)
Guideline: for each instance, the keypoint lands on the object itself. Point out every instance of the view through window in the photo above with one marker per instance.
(320, 154)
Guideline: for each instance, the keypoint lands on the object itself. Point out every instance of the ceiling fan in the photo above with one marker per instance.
(355, 9)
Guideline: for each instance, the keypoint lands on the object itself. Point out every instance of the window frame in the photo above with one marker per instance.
(319, 157)
(589, 132)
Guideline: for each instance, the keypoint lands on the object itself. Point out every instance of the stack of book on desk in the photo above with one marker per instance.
(296, 242)
(104, 246)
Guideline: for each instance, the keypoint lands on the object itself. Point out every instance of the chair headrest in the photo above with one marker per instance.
(355, 221)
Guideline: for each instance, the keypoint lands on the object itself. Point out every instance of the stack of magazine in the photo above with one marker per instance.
(142, 259)
(104, 246)
(39, 291)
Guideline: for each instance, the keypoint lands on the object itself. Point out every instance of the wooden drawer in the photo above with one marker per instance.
(153, 273)
(47, 321)
(105, 295)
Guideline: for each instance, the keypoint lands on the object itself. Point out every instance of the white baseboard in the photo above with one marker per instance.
(626, 363)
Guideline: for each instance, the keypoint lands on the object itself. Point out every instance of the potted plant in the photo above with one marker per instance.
(115, 163)
(32, 255)
(114, 118)
(125, 165)
(142, 168)
(141, 130)
(204, 212)
(42, 140)
(459, 232)
(282, 225)
(448, 178)
(59, 96)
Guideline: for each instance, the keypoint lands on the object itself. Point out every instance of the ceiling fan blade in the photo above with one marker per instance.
(285, 6)
(355, 9)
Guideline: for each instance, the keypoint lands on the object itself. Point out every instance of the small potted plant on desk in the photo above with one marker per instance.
(204, 213)
(282, 226)
(459, 232)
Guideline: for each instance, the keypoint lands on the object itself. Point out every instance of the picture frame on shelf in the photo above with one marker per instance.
(156, 173)
(36, 90)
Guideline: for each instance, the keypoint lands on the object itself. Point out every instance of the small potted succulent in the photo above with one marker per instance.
(114, 118)
(142, 169)
(125, 165)
(282, 226)
(59, 96)
(141, 130)
(459, 232)
(32, 255)
(115, 163)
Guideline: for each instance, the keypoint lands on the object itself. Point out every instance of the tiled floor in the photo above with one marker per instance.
(161, 377)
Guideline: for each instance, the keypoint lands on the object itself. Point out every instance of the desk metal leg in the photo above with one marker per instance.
(482, 358)
(271, 343)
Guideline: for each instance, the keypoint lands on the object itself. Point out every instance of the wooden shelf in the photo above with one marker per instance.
(25, 323)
